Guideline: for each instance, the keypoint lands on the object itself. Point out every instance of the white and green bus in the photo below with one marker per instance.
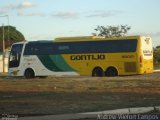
(88, 56)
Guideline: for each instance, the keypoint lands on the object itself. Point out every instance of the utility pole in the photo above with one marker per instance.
(3, 48)
(8, 28)
(4, 40)
(7, 16)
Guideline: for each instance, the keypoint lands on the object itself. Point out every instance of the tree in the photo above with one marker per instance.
(111, 31)
(156, 54)
(10, 37)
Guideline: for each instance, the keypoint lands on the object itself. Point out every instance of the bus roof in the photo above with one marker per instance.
(81, 38)
(86, 38)
(37, 41)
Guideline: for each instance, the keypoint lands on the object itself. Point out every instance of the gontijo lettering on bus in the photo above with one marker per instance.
(88, 57)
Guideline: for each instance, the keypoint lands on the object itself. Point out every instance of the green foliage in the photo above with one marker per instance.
(13, 36)
(156, 54)
(111, 31)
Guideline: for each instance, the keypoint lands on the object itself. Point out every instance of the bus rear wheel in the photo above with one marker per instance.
(29, 73)
(97, 72)
(111, 72)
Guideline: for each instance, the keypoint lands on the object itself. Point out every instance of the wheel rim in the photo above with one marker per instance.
(98, 72)
(111, 72)
(29, 74)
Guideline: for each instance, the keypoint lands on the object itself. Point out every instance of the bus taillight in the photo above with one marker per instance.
(140, 60)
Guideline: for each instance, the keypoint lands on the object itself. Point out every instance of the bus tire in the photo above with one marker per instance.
(111, 72)
(97, 72)
(29, 73)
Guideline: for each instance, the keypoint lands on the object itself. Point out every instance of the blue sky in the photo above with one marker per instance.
(48, 19)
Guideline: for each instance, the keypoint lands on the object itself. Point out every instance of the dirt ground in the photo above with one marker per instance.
(62, 95)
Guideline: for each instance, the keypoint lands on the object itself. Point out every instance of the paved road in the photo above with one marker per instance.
(99, 114)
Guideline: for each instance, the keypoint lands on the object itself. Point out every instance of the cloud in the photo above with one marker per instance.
(2, 12)
(157, 34)
(103, 14)
(66, 15)
(19, 5)
(22, 13)
(36, 14)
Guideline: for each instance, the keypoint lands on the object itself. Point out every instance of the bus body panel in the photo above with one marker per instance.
(138, 61)
(145, 55)
(38, 67)
(125, 63)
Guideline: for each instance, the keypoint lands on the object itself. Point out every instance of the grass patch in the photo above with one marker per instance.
(64, 95)
(27, 104)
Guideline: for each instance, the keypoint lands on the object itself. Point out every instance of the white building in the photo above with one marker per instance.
(5, 62)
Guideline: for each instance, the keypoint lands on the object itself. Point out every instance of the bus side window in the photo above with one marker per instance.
(14, 59)
(12, 56)
(15, 54)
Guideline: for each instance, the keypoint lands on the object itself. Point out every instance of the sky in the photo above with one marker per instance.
(49, 19)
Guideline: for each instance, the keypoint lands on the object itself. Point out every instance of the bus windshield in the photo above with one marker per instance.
(15, 55)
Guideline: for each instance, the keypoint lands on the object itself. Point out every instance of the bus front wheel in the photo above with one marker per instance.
(97, 72)
(111, 72)
(29, 73)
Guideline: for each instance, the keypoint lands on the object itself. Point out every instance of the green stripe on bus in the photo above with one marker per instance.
(61, 63)
(48, 63)
(55, 63)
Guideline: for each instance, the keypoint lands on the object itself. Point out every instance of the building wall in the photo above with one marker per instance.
(5, 63)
